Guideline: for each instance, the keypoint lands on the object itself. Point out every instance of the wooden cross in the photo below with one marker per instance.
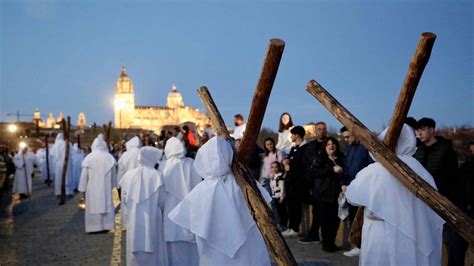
(66, 127)
(107, 129)
(383, 153)
(259, 209)
(48, 179)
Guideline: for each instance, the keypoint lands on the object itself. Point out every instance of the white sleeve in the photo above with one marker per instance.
(84, 179)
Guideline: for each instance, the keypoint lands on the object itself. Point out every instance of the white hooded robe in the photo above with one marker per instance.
(129, 159)
(142, 189)
(124, 184)
(405, 230)
(216, 212)
(41, 160)
(77, 158)
(24, 169)
(179, 178)
(127, 162)
(58, 153)
(98, 177)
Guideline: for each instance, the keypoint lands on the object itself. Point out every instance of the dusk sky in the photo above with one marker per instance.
(65, 56)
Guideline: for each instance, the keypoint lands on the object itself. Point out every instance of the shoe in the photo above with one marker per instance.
(352, 253)
(308, 240)
(331, 248)
(281, 228)
(23, 196)
(289, 233)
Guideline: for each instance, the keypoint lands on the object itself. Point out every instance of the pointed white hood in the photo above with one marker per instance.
(146, 183)
(174, 148)
(384, 196)
(133, 143)
(406, 144)
(129, 159)
(215, 209)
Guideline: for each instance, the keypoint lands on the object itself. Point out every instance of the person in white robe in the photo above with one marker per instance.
(179, 178)
(129, 159)
(24, 164)
(216, 212)
(98, 178)
(127, 162)
(399, 229)
(124, 185)
(77, 158)
(41, 160)
(58, 154)
(143, 192)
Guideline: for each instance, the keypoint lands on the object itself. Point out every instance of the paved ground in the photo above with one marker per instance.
(38, 231)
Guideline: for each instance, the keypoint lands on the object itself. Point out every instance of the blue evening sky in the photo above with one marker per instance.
(66, 56)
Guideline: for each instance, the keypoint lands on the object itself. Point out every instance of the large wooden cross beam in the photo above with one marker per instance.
(48, 177)
(412, 78)
(66, 127)
(261, 212)
(440, 204)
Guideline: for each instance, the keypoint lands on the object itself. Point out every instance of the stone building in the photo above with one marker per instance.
(175, 113)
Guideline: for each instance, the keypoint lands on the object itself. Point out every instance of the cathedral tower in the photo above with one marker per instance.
(124, 105)
(175, 99)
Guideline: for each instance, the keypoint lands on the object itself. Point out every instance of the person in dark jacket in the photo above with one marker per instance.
(314, 150)
(437, 155)
(464, 199)
(356, 158)
(466, 174)
(297, 187)
(329, 172)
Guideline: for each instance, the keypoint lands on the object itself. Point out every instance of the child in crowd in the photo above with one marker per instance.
(277, 185)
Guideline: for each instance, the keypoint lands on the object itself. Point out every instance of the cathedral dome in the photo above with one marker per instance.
(175, 99)
(124, 84)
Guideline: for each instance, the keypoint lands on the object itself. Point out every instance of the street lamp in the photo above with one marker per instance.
(119, 103)
(12, 128)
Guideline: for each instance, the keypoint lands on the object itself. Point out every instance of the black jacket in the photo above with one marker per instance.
(327, 184)
(465, 188)
(296, 185)
(441, 161)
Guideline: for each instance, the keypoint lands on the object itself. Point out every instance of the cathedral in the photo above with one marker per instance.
(175, 113)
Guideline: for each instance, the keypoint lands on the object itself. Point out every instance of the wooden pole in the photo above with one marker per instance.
(260, 99)
(216, 118)
(26, 174)
(78, 137)
(107, 130)
(37, 126)
(412, 78)
(66, 129)
(419, 187)
(48, 178)
(259, 209)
